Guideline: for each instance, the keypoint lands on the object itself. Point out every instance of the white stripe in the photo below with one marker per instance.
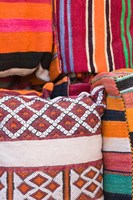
(116, 144)
(52, 152)
(93, 36)
(112, 55)
(126, 90)
(126, 76)
(95, 89)
(105, 31)
(102, 198)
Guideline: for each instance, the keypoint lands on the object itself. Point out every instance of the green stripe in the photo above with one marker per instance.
(128, 31)
(114, 183)
(122, 32)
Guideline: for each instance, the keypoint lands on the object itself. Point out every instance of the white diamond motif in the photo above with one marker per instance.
(28, 124)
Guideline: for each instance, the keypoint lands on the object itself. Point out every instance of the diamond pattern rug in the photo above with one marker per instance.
(85, 182)
(51, 149)
(21, 116)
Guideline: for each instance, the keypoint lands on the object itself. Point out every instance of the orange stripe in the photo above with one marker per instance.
(125, 70)
(49, 86)
(99, 35)
(66, 185)
(22, 92)
(114, 103)
(10, 186)
(55, 70)
(114, 129)
(27, 11)
(129, 113)
(23, 42)
(65, 79)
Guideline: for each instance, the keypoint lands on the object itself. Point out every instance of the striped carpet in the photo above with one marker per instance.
(94, 35)
(28, 38)
(117, 131)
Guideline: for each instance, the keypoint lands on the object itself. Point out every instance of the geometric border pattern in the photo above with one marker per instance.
(76, 182)
(38, 185)
(87, 183)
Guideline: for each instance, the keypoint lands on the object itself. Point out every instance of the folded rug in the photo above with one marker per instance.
(51, 149)
(27, 38)
(95, 37)
(117, 130)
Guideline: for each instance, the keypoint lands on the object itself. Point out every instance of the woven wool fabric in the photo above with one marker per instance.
(94, 35)
(27, 38)
(77, 88)
(64, 87)
(51, 149)
(117, 134)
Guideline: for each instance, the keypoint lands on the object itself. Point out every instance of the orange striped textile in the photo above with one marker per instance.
(27, 38)
(95, 37)
(99, 35)
(117, 130)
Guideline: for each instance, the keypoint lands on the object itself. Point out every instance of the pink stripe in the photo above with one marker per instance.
(79, 35)
(18, 25)
(118, 162)
(27, 1)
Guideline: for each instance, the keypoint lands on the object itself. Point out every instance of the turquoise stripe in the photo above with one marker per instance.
(62, 35)
(128, 32)
(114, 183)
(70, 36)
(127, 90)
(124, 77)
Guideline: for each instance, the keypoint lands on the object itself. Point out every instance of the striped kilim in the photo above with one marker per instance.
(117, 131)
(51, 149)
(93, 34)
(28, 38)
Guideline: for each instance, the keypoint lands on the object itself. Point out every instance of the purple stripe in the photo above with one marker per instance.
(18, 25)
(26, 1)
